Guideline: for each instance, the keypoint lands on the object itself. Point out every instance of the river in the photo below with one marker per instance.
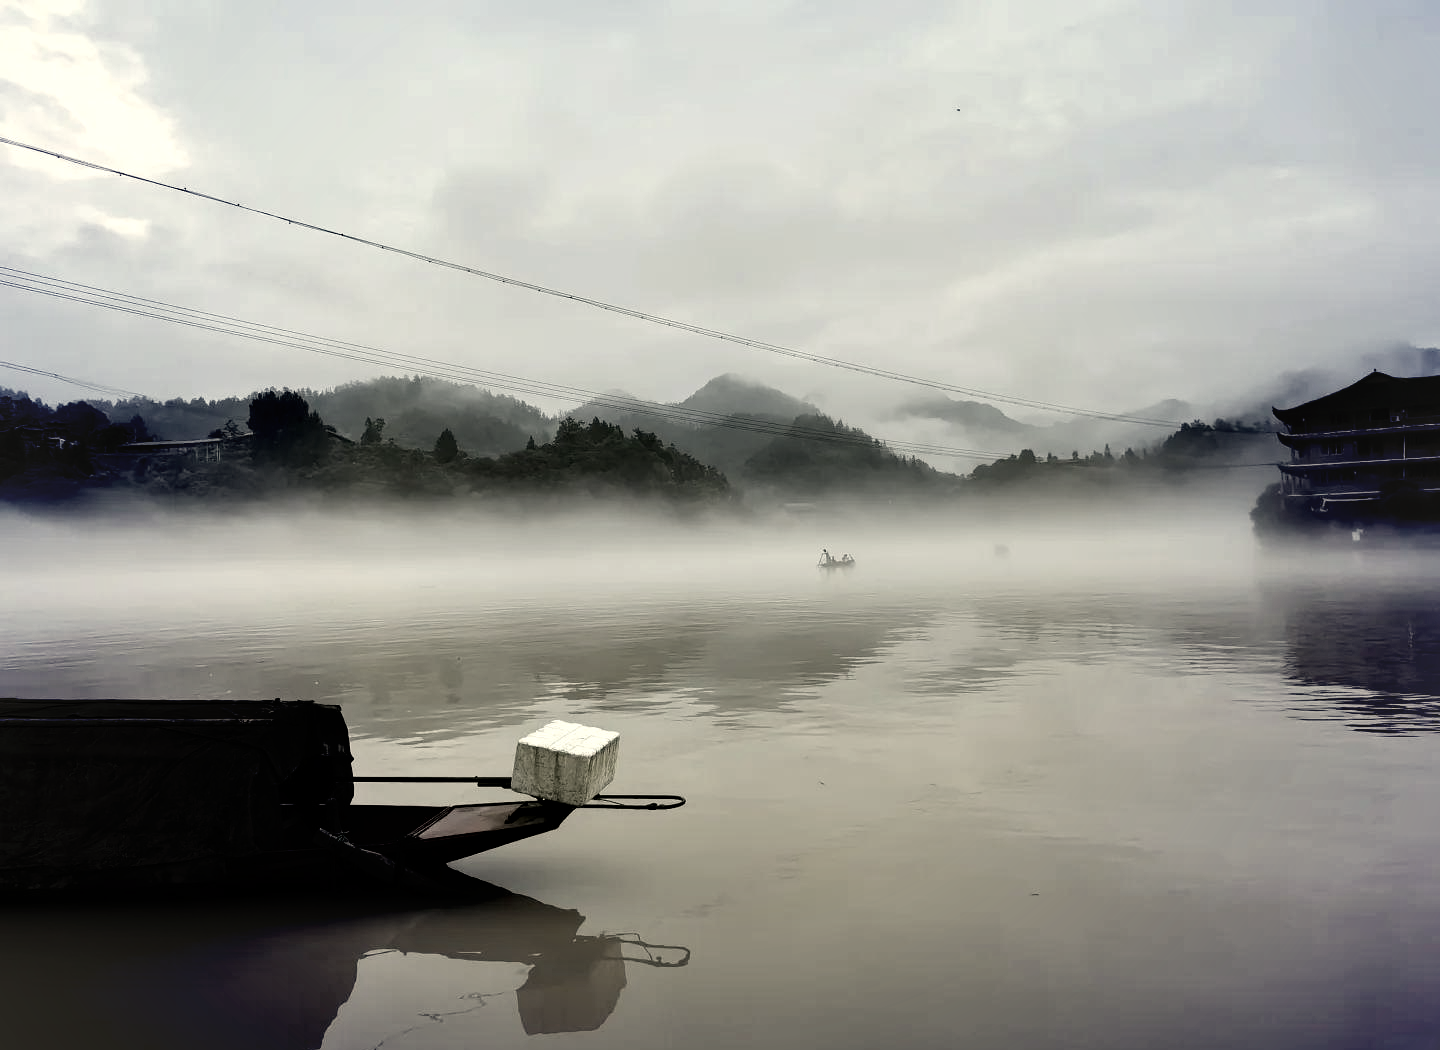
(1104, 786)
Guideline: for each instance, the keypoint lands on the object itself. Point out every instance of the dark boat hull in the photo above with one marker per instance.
(122, 794)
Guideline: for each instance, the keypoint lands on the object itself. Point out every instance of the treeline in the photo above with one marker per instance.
(595, 459)
(1196, 445)
(285, 447)
(280, 440)
(415, 408)
(406, 437)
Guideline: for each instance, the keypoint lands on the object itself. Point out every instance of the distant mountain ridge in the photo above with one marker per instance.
(730, 395)
(976, 415)
(739, 417)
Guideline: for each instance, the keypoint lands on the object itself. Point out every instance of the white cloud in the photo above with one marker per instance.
(66, 90)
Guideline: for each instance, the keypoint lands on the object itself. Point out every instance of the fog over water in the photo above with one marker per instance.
(1118, 781)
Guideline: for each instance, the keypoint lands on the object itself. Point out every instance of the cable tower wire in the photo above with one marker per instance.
(122, 302)
(640, 315)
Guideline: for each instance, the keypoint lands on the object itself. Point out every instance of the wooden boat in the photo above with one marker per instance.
(829, 561)
(105, 794)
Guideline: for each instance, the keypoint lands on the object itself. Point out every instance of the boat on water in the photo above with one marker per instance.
(829, 561)
(129, 794)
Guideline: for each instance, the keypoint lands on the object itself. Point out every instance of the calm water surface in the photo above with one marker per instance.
(1133, 791)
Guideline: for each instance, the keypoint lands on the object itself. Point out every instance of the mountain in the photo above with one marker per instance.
(730, 395)
(820, 457)
(740, 416)
(970, 415)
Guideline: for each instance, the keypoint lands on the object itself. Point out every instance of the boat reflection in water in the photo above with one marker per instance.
(275, 973)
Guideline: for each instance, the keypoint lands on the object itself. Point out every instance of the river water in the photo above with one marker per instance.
(1107, 787)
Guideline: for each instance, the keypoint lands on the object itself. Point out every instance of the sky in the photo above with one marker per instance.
(1096, 203)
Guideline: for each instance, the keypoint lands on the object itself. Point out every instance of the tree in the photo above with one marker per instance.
(286, 432)
(445, 448)
(229, 432)
(80, 419)
(374, 431)
(569, 432)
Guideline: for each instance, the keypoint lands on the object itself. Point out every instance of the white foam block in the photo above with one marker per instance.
(565, 762)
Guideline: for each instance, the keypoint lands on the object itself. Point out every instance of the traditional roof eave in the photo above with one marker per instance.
(1373, 390)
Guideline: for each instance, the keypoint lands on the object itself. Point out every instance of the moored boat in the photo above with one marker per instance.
(116, 794)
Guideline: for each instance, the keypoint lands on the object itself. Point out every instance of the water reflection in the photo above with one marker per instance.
(1360, 650)
(464, 669)
(276, 973)
(1369, 655)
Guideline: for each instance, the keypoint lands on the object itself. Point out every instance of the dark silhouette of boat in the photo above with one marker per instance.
(125, 794)
(829, 561)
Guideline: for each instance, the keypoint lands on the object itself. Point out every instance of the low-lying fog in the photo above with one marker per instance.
(123, 567)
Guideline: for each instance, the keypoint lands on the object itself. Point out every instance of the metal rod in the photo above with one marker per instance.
(497, 782)
(126, 721)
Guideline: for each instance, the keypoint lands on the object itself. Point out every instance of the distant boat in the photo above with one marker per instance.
(829, 561)
(133, 794)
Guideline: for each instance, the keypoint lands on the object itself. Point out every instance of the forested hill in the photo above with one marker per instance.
(415, 410)
(817, 456)
(724, 423)
(418, 408)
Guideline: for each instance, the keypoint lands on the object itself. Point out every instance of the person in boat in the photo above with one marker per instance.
(825, 558)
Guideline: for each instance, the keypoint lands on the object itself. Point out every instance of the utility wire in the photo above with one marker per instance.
(109, 299)
(640, 315)
(99, 388)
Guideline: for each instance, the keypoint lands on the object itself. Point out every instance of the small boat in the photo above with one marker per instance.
(829, 561)
(128, 794)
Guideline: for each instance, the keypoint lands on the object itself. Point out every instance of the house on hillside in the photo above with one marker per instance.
(1368, 452)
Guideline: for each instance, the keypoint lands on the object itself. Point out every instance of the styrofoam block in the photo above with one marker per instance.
(565, 762)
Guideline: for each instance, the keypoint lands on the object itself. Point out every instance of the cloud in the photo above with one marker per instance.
(72, 92)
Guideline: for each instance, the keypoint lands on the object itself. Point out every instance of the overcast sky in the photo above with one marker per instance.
(1095, 202)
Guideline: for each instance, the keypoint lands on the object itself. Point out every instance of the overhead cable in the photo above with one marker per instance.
(99, 388)
(640, 315)
(122, 302)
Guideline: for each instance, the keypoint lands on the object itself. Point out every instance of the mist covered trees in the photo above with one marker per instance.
(1194, 447)
(817, 455)
(445, 447)
(599, 457)
(286, 432)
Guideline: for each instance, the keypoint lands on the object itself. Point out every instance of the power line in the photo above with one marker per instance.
(371, 355)
(640, 315)
(155, 309)
(99, 388)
